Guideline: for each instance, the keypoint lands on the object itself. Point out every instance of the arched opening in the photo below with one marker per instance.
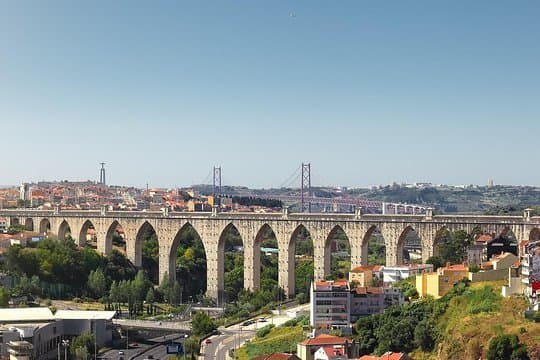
(409, 247)
(87, 235)
(64, 231)
(14, 221)
(44, 226)
(373, 247)
(232, 266)
(187, 261)
(266, 254)
(29, 224)
(301, 245)
(505, 241)
(450, 247)
(115, 238)
(534, 235)
(338, 249)
(147, 251)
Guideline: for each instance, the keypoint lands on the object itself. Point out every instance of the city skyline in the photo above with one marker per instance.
(367, 93)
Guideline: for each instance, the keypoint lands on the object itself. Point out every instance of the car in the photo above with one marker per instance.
(248, 322)
(208, 341)
(263, 320)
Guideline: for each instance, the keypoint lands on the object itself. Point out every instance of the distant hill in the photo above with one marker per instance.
(500, 199)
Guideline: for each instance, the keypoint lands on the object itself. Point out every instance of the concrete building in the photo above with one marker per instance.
(496, 268)
(392, 274)
(307, 348)
(437, 284)
(366, 275)
(45, 331)
(330, 305)
(334, 305)
(366, 301)
(393, 297)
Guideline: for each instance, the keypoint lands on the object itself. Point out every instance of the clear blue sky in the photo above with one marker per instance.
(369, 92)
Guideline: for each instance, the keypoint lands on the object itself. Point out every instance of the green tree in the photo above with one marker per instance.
(97, 284)
(82, 346)
(191, 346)
(5, 295)
(504, 347)
(425, 335)
(166, 288)
(202, 324)
(436, 261)
(150, 298)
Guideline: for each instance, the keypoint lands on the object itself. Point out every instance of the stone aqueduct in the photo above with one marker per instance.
(211, 226)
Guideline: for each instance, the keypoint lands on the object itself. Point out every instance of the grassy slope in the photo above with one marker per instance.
(281, 339)
(466, 335)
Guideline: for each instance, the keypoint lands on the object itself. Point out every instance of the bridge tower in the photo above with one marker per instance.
(102, 174)
(216, 183)
(305, 187)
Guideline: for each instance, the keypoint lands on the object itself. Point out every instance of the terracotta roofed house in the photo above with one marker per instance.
(307, 348)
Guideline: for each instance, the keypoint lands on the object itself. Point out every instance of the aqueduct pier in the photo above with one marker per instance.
(169, 226)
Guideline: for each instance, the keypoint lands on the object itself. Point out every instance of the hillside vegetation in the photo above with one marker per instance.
(460, 325)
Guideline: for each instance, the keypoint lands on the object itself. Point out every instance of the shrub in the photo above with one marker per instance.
(265, 330)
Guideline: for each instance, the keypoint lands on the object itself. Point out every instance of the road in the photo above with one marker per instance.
(233, 336)
(133, 351)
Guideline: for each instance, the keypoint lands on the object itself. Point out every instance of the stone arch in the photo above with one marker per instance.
(534, 234)
(440, 236)
(169, 264)
(64, 230)
(44, 226)
(83, 234)
(372, 230)
(300, 230)
(260, 237)
(29, 224)
(401, 243)
(328, 247)
(230, 228)
(505, 241)
(145, 230)
(112, 231)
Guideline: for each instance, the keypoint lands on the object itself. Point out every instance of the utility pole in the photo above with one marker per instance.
(305, 187)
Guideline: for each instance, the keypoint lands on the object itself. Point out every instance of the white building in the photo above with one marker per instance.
(392, 274)
(45, 331)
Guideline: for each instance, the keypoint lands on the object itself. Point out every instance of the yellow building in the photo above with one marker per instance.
(361, 276)
(438, 283)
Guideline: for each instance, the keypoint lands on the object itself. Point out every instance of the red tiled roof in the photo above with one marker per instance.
(456, 267)
(324, 339)
(332, 351)
(369, 290)
(484, 238)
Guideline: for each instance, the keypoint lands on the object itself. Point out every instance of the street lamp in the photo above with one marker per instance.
(65, 344)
